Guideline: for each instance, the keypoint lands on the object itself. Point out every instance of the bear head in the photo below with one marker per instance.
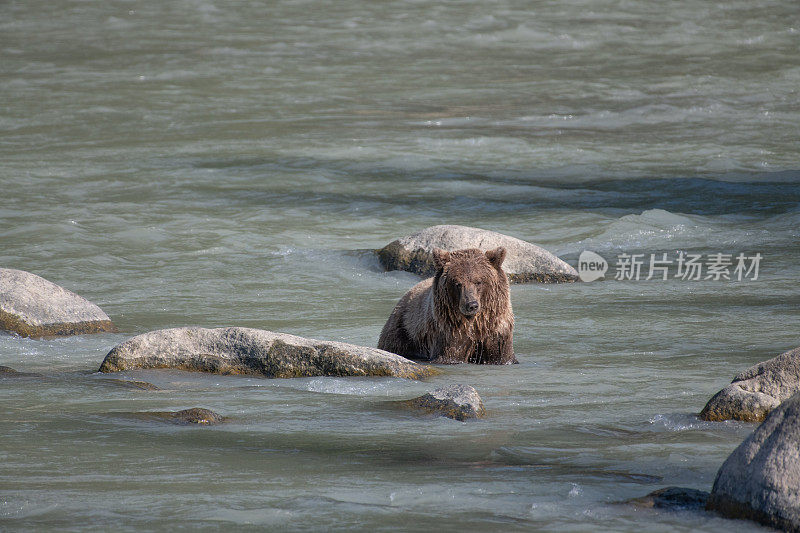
(467, 281)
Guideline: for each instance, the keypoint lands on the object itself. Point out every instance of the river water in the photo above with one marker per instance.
(208, 163)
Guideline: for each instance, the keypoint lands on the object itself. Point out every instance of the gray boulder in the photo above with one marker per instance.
(756, 391)
(760, 480)
(256, 352)
(31, 306)
(525, 262)
(459, 402)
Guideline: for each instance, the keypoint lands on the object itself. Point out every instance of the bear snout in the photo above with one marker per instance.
(470, 307)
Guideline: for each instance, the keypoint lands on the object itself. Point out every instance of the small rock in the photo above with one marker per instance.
(754, 393)
(674, 498)
(459, 402)
(760, 480)
(31, 306)
(525, 262)
(256, 352)
(197, 415)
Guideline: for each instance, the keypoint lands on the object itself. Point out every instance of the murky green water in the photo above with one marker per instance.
(230, 163)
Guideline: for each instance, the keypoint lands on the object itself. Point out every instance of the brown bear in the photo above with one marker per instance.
(460, 315)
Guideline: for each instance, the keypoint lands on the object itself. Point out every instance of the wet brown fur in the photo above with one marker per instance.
(432, 321)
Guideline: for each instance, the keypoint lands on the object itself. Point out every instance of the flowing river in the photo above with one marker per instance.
(209, 163)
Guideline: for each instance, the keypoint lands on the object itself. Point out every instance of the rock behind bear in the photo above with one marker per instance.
(525, 262)
(461, 315)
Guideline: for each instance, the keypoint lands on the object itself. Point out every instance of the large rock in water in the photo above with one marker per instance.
(524, 262)
(256, 352)
(756, 391)
(761, 479)
(31, 306)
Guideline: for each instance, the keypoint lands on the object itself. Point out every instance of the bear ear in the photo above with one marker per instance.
(440, 258)
(496, 256)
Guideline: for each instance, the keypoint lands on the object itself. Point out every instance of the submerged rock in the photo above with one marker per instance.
(256, 352)
(195, 415)
(758, 390)
(760, 480)
(31, 306)
(459, 402)
(525, 262)
(132, 384)
(8, 372)
(673, 498)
